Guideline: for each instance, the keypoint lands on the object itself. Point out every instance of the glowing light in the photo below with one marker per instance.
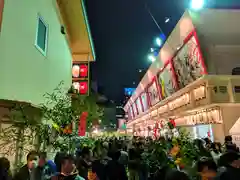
(151, 58)
(167, 20)
(197, 4)
(159, 42)
(95, 131)
(152, 50)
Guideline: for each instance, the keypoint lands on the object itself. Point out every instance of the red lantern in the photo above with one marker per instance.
(83, 70)
(83, 87)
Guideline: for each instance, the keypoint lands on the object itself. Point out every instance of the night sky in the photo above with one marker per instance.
(123, 33)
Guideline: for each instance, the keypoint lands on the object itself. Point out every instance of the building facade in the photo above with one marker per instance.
(39, 43)
(190, 82)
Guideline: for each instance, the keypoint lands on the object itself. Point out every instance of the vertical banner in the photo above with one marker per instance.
(82, 124)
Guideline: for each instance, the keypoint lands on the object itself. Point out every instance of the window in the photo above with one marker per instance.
(41, 36)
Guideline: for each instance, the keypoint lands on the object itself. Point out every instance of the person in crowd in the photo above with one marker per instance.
(29, 171)
(176, 175)
(215, 151)
(100, 163)
(203, 152)
(231, 163)
(115, 170)
(58, 159)
(229, 145)
(44, 169)
(207, 168)
(68, 169)
(124, 155)
(5, 169)
(84, 165)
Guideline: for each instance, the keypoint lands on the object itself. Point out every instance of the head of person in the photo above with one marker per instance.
(32, 159)
(230, 159)
(4, 164)
(116, 155)
(86, 153)
(215, 148)
(67, 164)
(42, 159)
(207, 168)
(228, 139)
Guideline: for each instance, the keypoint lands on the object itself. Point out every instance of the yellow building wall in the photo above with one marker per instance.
(25, 74)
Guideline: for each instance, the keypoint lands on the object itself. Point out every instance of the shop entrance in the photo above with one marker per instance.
(203, 131)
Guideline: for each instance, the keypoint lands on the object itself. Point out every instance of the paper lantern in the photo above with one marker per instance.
(75, 71)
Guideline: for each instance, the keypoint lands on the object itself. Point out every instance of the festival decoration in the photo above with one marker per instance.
(82, 124)
(171, 124)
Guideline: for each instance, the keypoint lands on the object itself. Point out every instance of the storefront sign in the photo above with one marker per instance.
(205, 117)
(139, 105)
(163, 109)
(154, 113)
(166, 82)
(135, 109)
(179, 102)
(144, 101)
(153, 94)
(199, 93)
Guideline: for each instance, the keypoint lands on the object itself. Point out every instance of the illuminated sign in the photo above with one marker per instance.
(153, 94)
(179, 102)
(80, 78)
(81, 87)
(129, 91)
(79, 70)
(187, 63)
(144, 101)
(199, 93)
(208, 116)
(162, 109)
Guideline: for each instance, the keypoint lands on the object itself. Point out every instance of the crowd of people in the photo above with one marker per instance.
(122, 159)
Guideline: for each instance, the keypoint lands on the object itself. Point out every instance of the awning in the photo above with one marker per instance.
(235, 130)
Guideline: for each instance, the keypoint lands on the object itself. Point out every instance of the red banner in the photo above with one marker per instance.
(82, 124)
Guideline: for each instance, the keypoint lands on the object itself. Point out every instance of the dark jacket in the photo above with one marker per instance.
(24, 174)
(230, 173)
(116, 171)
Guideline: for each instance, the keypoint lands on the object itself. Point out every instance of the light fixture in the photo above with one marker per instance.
(197, 4)
(159, 41)
(167, 20)
(151, 58)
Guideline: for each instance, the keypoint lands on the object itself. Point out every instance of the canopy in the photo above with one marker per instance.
(235, 130)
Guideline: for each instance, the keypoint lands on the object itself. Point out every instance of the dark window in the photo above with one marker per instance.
(41, 40)
(236, 71)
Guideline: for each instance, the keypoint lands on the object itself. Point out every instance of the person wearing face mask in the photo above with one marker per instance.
(28, 171)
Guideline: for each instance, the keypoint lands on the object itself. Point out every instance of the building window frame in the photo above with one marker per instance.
(43, 51)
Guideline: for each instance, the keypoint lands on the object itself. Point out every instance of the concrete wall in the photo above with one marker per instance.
(224, 58)
(25, 74)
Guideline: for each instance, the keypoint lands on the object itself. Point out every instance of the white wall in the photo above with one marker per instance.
(25, 74)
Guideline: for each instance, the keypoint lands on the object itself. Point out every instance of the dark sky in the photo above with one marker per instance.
(123, 33)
